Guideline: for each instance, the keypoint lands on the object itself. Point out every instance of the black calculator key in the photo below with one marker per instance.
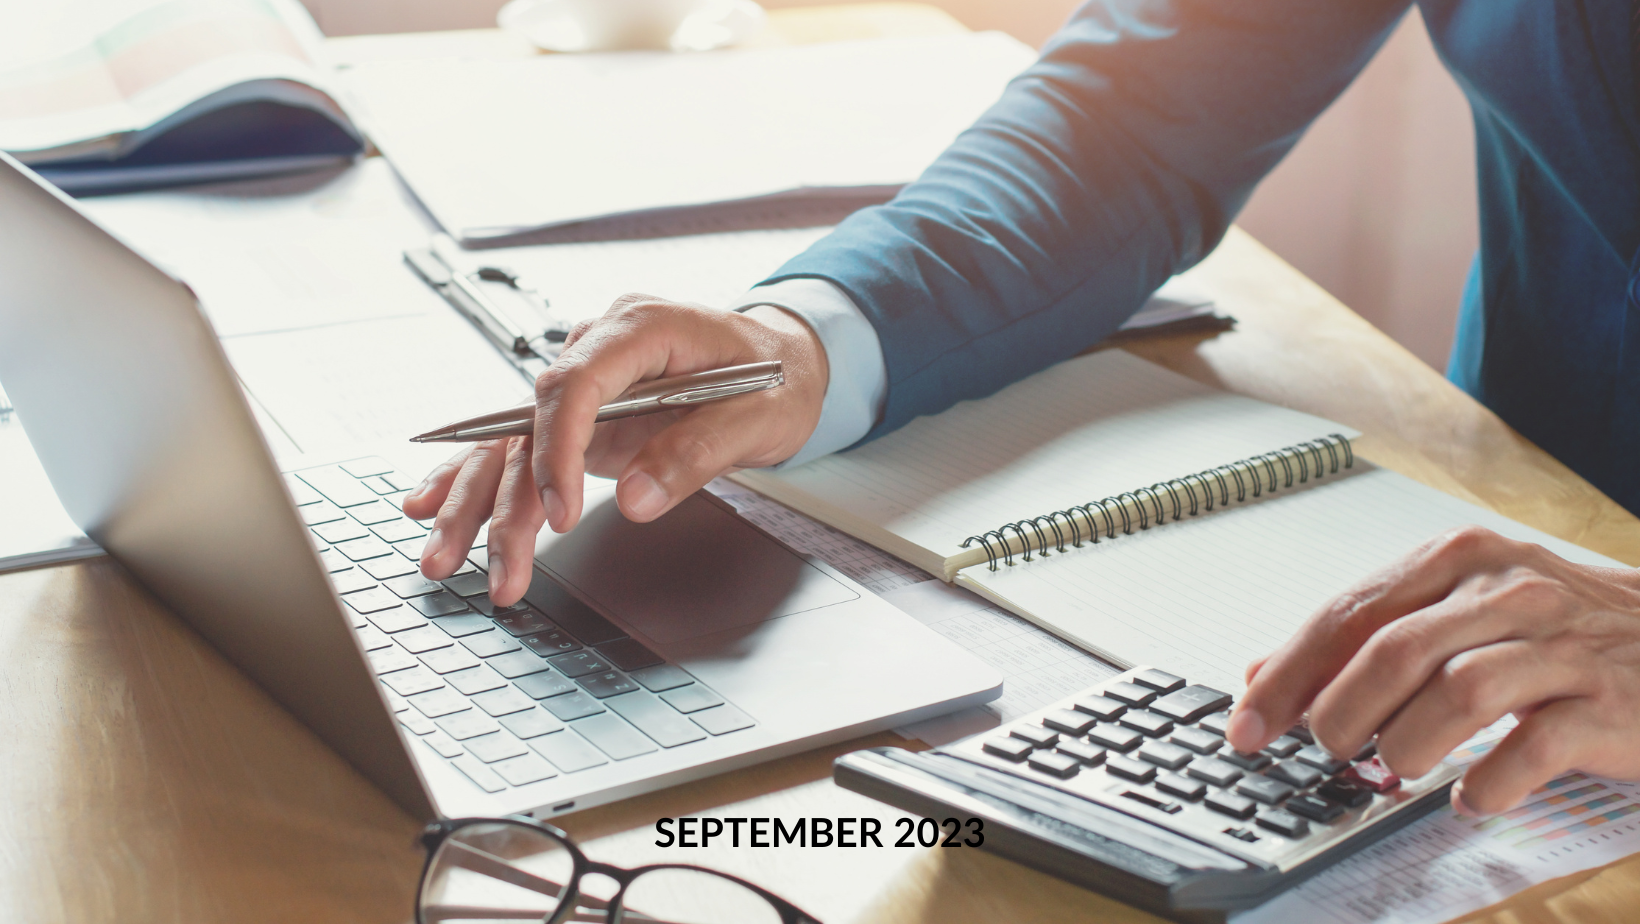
(1283, 746)
(1160, 681)
(1154, 801)
(1216, 722)
(1300, 775)
(1249, 762)
(1129, 769)
(1153, 725)
(1038, 736)
(1301, 731)
(1009, 748)
(1182, 786)
(1314, 807)
(1202, 742)
(1321, 760)
(1115, 737)
(1130, 693)
(1191, 703)
(1228, 803)
(1054, 764)
(1215, 771)
(1081, 750)
(1166, 755)
(1069, 721)
(1345, 793)
(1264, 789)
(1283, 823)
(1102, 708)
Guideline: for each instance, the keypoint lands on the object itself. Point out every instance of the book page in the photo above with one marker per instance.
(1204, 597)
(1086, 429)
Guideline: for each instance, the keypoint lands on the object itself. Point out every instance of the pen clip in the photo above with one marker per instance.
(713, 392)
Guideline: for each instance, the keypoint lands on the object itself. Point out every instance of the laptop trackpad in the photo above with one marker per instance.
(698, 570)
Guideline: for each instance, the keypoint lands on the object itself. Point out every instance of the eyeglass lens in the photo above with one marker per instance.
(495, 872)
(688, 896)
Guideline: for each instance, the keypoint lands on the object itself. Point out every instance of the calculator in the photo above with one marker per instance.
(1130, 789)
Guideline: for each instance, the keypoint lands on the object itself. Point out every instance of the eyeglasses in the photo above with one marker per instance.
(493, 870)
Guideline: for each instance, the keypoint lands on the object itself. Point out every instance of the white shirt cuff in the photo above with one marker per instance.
(859, 378)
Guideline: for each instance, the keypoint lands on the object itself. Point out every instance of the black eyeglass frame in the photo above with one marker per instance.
(436, 833)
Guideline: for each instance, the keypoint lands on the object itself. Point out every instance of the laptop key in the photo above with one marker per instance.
(612, 735)
(605, 685)
(379, 485)
(408, 683)
(517, 664)
(448, 660)
(524, 769)
(387, 660)
(462, 625)
(351, 580)
(398, 530)
(334, 561)
(469, 723)
(629, 654)
(485, 644)
(442, 603)
(531, 723)
(470, 584)
(389, 567)
(321, 512)
(548, 684)
(370, 601)
(300, 493)
(655, 719)
(444, 701)
(475, 680)
(572, 706)
(485, 605)
(662, 677)
(692, 698)
(579, 663)
(377, 511)
(573, 615)
(373, 638)
(487, 779)
(568, 751)
(416, 722)
(397, 619)
(364, 468)
(423, 639)
(337, 486)
(504, 701)
(519, 622)
(411, 585)
(400, 481)
(412, 548)
(445, 745)
(364, 549)
(550, 643)
(721, 720)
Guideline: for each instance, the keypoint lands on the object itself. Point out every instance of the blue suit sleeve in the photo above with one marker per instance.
(1117, 160)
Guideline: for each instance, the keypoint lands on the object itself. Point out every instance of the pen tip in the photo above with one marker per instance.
(418, 439)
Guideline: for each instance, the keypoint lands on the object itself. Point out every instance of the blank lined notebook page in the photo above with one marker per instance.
(1204, 597)
(1080, 431)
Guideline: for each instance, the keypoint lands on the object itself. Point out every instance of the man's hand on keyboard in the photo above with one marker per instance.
(1468, 628)
(659, 459)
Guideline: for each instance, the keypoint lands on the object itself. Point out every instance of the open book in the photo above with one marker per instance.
(1135, 512)
(114, 95)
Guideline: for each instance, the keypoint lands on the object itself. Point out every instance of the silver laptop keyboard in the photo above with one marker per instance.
(509, 695)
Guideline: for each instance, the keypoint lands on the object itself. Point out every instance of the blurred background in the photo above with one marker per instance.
(1377, 203)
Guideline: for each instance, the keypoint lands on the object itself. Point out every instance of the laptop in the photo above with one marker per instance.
(642, 656)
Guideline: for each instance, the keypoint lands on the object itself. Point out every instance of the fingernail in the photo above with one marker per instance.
(553, 504)
(1245, 725)
(435, 542)
(416, 491)
(498, 574)
(643, 495)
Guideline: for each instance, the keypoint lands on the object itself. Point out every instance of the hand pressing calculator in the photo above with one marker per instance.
(1129, 788)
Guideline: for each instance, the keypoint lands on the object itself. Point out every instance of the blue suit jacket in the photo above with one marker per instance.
(1124, 154)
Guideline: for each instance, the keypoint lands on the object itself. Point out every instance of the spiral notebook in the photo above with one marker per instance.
(1134, 512)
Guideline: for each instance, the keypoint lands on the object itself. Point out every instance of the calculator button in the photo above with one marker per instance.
(1321, 760)
(1081, 750)
(1202, 742)
(1191, 703)
(1166, 755)
(1055, 764)
(1228, 803)
(1300, 775)
(1131, 693)
(1283, 746)
(1301, 731)
(1181, 786)
(1155, 802)
(1069, 721)
(1129, 769)
(1102, 708)
(1283, 823)
(1150, 723)
(1115, 737)
(1212, 770)
(1216, 722)
(1008, 748)
(1037, 735)
(1314, 807)
(1160, 681)
(1263, 788)
(1344, 792)
(1250, 762)
(1373, 775)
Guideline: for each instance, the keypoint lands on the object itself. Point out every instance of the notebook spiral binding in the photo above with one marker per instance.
(1311, 458)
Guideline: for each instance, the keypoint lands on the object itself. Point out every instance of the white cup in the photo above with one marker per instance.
(602, 25)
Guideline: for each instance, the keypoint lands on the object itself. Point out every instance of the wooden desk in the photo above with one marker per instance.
(146, 780)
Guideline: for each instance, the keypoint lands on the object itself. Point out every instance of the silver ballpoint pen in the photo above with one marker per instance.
(642, 398)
